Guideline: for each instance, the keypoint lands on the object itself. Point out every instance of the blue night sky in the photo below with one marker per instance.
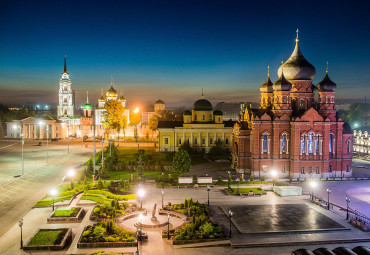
(171, 49)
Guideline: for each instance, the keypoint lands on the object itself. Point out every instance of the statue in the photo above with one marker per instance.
(153, 212)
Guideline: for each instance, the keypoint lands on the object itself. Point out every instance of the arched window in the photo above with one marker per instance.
(348, 146)
(317, 144)
(303, 142)
(301, 103)
(264, 143)
(283, 144)
(65, 100)
(331, 137)
(310, 143)
(284, 100)
(203, 117)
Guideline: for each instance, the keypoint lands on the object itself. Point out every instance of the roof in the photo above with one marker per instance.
(169, 124)
(282, 84)
(202, 105)
(326, 84)
(267, 86)
(187, 112)
(217, 113)
(87, 106)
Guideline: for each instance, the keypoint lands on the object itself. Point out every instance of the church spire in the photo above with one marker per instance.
(87, 96)
(297, 39)
(202, 94)
(65, 63)
(268, 71)
(327, 67)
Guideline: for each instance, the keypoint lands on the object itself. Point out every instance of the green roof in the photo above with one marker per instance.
(87, 107)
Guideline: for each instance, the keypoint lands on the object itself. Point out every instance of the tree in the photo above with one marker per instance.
(114, 115)
(166, 115)
(217, 148)
(181, 161)
(135, 119)
(153, 123)
(357, 114)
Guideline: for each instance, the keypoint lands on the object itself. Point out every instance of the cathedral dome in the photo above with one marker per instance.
(159, 101)
(187, 112)
(282, 84)
(267, 86)
(111, 92)
(87, 106)
(297, 67)
(326, 85)
(202, 105)
(217, 113)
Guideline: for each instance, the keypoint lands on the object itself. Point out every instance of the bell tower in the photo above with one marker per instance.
(65, 105)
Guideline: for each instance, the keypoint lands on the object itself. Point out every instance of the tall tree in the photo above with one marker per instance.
(153, 123)
(181, 161)
(114, 116)
(135, 119)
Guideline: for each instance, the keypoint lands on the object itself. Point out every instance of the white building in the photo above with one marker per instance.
(66, 96)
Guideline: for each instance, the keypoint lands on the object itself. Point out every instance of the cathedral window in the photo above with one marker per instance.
(284, 144)
(203, 141)
(347, 168)
(303, 143)
(166, 141)
(195, 140)
(211, 140)
(330, 169)
(301, 103)
(264, 143)
(284, 100)
(329, 100)
(180, 141)
(283, 169)
(227, 140)
(317, 170)
(317, 144)
(310, 143)
(348, 146)
(203, 117)
(331, 138)
(310, 170)
(302, 170)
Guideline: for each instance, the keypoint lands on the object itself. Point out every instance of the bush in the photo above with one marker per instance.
(106, 231)
(251, 178)
(263, 178)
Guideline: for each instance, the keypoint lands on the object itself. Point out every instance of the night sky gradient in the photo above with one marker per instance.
(171, 49)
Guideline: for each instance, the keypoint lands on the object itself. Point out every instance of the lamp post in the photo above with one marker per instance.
(71, 174)
(162, 196)
(20, 224)
(228, 180)
(230, 216)
(53, 192)
(273, 174)
(137, 243)
(141, 194)
(329, 191)
(348, 199)
(208, 189)
(313, 185)
(47, 145)
(68, 135)
(168, 230)
(22, 135)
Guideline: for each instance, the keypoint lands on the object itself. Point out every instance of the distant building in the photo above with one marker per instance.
(361, 141)
(201, 127)
(66, 95)
(231, 111)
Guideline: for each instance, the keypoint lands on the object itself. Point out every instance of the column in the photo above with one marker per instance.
(183, 137)
(41, 127)
(175, 142)
(281, 152)
(287, 146)
(320, 149)
(223, 137)
(333, 146)
(191, 139)
(261, 146)
(300, 147)
(207, 142)
(268, 146)
(34, 127)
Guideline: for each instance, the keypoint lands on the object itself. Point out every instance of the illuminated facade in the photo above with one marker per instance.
(291, 132)
(201, 127)
(361, 142)
(66, 96)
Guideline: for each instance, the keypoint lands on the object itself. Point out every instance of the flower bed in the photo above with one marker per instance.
(65, 215)
(106, 234)
(189, 208)
(49, 239)
(255, 191)
(101, 196)
(112, 210)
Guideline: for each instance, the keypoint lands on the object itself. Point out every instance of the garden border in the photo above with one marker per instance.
(77, 219)
(67, 240)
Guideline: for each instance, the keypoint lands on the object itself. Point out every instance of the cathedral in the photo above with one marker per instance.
(296, 131)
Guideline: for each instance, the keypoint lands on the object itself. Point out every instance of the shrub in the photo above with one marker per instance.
(263, 178)
(251, 178)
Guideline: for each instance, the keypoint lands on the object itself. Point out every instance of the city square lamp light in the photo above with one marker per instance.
(53, 192)
(71, 174)
(313, 185)
(141, 194)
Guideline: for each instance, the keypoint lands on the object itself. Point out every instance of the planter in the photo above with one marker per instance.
(81, 245)
(185, 179)
(78, 218)
(181, 242)
(205, 179)
(67, 239)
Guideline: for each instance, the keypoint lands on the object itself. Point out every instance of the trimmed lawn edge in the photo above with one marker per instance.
(67, 239)
(78, 218)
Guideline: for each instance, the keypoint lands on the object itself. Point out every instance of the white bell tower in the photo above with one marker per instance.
(65, 106)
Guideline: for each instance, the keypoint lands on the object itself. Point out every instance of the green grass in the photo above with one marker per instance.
(71, 212)
(234, 191)
(46, 237)
(96, 198)
(45, 202)
(100, 196)
(146, 175)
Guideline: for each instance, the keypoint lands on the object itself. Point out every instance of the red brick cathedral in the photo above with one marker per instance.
(296, 131)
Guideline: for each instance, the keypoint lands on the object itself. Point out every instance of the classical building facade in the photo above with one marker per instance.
(361, 141)
(291, 132)
(201, 127)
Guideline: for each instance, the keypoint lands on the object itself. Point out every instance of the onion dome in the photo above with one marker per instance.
(87, 106)
(282, 84)
(267, 86)
(111, 92)
(297, 67)
(122, 98)
(159, 101)
(326, 85)
(217, 113)
(202, 104)
(101, 98)
(187, 112)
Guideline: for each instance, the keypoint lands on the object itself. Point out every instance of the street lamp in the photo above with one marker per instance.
(313, 185)
(230, 216)
(168, 230)
(20, 224)
(162, 196)
(141, 194)
(53, 192)
(208, 189)
(228, 180)
(348, 199)
(273, 174)
(329, 191)
(237, 185)
(137, 243)
(71, 173)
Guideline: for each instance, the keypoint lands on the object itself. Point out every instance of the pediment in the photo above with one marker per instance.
(312, 115)
(266, 117)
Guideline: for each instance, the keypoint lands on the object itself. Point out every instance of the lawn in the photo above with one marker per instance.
(234, 191)
(146, 175)
(48, 237)
(50, 201)
(100, 196)
(61, 212)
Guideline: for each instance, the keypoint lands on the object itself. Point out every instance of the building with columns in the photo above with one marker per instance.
(201, 127)
(291, 132)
